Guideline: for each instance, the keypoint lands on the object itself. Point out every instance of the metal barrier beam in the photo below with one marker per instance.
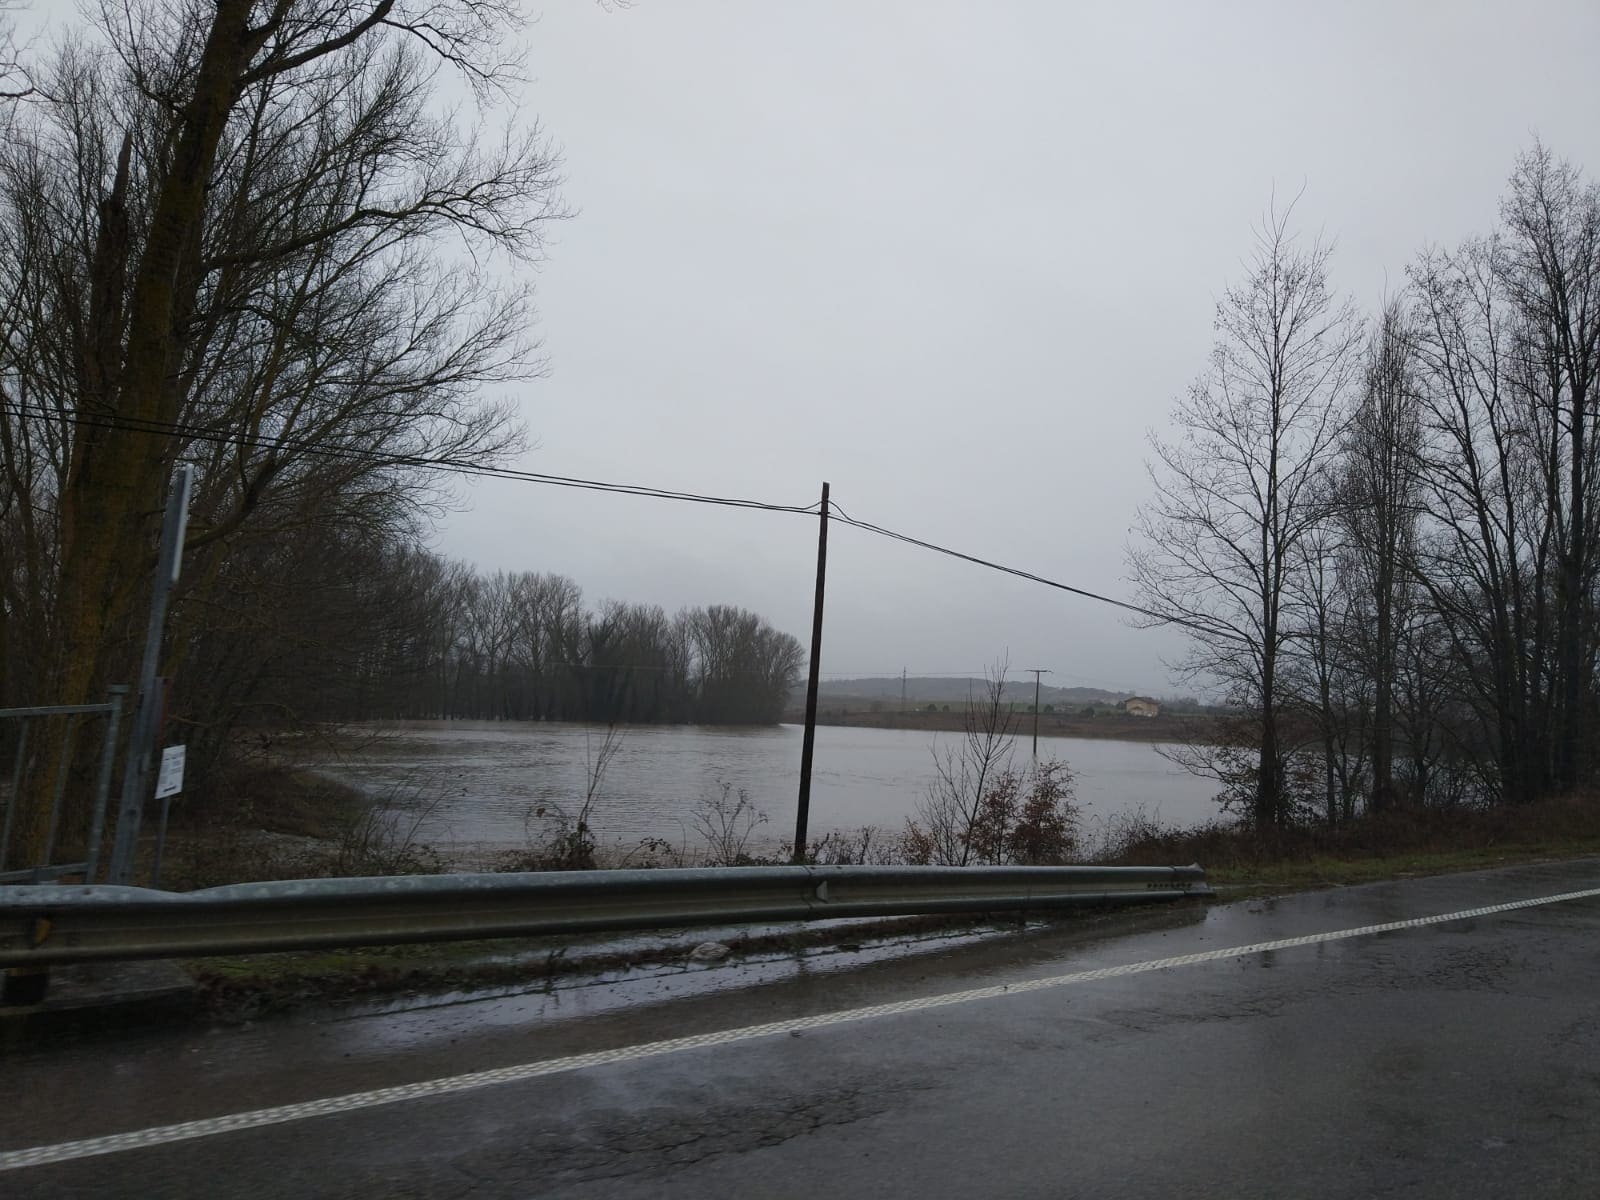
(46, 925)
(44, 874)
(58, 710)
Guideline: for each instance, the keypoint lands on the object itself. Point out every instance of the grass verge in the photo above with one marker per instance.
(1390, 846)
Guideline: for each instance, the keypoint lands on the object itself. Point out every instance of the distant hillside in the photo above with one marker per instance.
(951, 690)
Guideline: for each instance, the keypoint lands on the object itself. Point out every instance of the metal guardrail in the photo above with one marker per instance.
(45, 925)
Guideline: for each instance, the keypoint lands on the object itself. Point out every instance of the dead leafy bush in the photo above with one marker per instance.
(563, 840)
(652, 853)
(1024, 818)
(965, 773)
(862, 847)
(556, 841)
(1046, 829)
(726, 827)
(383, 840)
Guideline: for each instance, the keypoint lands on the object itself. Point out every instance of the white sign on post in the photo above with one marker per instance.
(170, 781)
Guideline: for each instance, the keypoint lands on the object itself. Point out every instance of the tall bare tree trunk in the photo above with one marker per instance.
(1244, 488)
(112, 497)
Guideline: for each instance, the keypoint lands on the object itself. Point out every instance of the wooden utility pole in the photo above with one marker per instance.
(807, 746)
(902, 689)
(1036, 672)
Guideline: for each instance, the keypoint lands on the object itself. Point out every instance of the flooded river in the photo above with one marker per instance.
(473, 784)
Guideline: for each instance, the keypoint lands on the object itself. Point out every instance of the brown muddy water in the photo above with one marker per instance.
(475, 787)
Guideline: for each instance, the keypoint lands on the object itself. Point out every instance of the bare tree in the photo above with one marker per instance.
(965, 774)
(1379, 504)
(1549, 266)
(1485, 557)
(224, 226)
(16, 82)
(1508, 339)
(743, 668)
(1245, 482)
(1321, 674)
(523, 646)
(1428, 711)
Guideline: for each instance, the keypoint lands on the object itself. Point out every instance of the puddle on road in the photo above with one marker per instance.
(414, 1020)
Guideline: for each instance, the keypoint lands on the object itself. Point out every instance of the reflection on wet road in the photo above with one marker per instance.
(1435, 1037)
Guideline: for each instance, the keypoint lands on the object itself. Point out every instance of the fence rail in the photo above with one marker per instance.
(46, 925)
(23, 719)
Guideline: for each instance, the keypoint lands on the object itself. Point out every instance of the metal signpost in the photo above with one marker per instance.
(136, 778)
(168, 784)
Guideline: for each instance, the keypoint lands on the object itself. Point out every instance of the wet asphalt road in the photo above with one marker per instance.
(1460, 1059)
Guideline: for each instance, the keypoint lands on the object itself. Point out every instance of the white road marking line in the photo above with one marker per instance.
(37, 1156)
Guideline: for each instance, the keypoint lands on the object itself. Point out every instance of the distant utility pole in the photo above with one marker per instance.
(1036, 672)
(902, 689)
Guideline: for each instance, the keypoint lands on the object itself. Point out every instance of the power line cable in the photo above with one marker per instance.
(1153, 614)
(1163, 618)
(908, 674)
(460, 467)
(371, 458)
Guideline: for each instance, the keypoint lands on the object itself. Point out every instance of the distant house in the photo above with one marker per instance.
(1141, 706)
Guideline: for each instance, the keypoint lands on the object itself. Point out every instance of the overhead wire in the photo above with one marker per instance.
(461, 467)
(456, 466)
(1032, 577)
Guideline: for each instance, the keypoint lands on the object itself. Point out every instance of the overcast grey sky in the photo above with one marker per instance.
(958, 259)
